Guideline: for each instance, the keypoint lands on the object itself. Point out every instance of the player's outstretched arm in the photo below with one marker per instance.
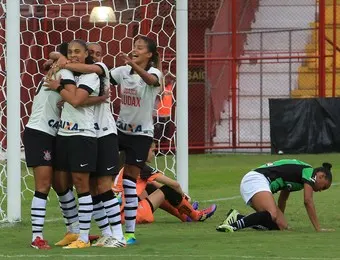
(282, 200)
(310, 207)
(148, 78)
(84, 68)
(69, 92)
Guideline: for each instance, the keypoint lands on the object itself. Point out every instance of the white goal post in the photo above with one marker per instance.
(13, 153)
(13, 110)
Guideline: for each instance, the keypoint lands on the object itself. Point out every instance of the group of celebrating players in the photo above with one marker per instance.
(71, 140)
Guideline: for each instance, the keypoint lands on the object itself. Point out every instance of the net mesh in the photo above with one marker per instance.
(44, 24)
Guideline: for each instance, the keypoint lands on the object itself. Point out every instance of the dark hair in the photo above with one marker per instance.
(62, 48)
(326, 169)
(152, 47)
(89, 59)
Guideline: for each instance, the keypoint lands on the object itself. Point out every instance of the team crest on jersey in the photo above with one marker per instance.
(47, 156)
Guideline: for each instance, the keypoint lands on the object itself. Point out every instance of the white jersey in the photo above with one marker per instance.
(45, 115)
(137, 101)
(105, 122)
(80, 120)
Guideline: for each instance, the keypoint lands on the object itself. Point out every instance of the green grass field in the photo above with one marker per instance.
(213, 179)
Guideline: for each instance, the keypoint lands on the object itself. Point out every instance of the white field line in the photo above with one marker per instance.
(226, 256)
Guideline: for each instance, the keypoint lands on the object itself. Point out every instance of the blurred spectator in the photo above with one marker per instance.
(163, 124)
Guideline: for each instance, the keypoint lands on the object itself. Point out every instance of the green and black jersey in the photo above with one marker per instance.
(287, 175)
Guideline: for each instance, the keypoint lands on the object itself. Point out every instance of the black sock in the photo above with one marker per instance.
(268, 226)
(239, 216)
(257, 218)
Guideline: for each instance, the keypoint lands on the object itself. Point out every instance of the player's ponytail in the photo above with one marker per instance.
(326, 169)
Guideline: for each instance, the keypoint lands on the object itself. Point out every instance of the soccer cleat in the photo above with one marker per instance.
(68, 239)
(78, 244)
(225, 228)
(130, 239)
(231, 217)
(208, 212)
(114, 243)
(195, 207)
(101, 241)
(41, 244)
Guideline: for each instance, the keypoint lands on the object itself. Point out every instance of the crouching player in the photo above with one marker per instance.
(257, 188)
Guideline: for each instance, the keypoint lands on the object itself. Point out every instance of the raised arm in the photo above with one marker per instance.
(281, 202)
(310, 207)
(149, 79)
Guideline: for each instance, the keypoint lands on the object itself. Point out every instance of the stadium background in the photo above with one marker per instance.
(241, 52)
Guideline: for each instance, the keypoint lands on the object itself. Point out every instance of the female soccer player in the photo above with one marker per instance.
(104, 201)
(139, 84)
(257, 188)
(39, 141)
(76, 144)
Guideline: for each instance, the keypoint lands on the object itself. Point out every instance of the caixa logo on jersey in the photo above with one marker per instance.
(68, 125)
(54, 124)
(129, 127)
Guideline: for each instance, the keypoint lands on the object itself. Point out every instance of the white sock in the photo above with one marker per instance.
(38, 212)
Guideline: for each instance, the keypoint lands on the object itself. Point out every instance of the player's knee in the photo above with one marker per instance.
(104, 184)
(273, 214)
(43, 185)
(81, 183)
(171, 195)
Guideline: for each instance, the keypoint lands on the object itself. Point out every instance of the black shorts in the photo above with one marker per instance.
(39, 148)
(107, 157)
(76, 153)
(136, 148)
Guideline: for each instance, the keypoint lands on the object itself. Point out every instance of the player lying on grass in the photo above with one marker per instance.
(257, 188)
(165, 193)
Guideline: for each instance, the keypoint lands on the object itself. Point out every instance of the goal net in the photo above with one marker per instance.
(44, 24)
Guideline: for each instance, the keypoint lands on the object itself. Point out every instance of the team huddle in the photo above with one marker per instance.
(73, 142)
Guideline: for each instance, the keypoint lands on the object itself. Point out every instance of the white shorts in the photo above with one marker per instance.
(252, 183)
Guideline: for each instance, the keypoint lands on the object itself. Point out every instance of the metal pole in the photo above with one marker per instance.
(233, 73)
(13, 110)
(322, 49)
(182, 93)
(334, 49)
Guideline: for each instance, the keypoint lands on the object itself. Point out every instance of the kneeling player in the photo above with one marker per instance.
(257, 188)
